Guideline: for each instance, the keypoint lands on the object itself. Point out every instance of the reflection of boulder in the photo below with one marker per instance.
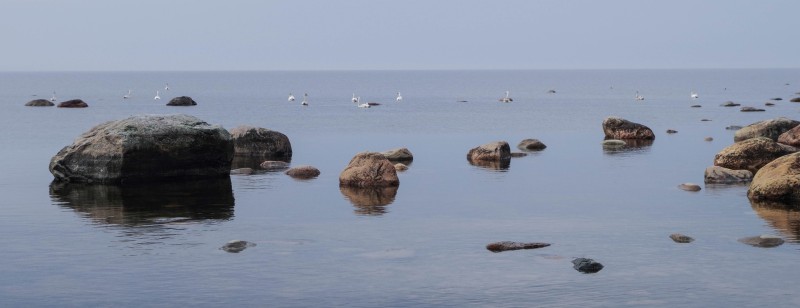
(612, 146)
(370, 201)
(778, 216)
(491, 164)
(148, 203)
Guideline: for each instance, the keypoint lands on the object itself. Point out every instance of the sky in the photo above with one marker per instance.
(198, 35)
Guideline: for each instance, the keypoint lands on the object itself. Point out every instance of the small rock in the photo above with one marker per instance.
(531, 145)
(680, 238)
(237, 246)
(751, 109)
(730, 104)
(696, 106)
(74, 103)
(769, 104)
(585, 265)
(504, 246)
(518, 154)
(705, 120)
(494, 151)
(242, 171)
(763, 241)
(709, 139)
(795, 100)
(303, 172)
(613, 143)
(400, 167)
(671, 131)
(689, 187)
(399, 154)
(733, 127)
(722, 175)
(40, 103)
(776, 99)
(618, 128)
(274, 165)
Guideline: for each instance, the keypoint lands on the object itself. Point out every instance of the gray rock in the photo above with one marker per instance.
(689, 187)
(506, 246)
(671, 131)
(680, 238)
(751, 154)
(369, 169)
(769, 104)
(494, 151)
(242, 171)
(587, 266)
(260, 142)
(751, 109)
(730, 104)
(696, 106)
(531, 145)
(182, 101)
(40, 103)
(146, 148)
(73, 103)
(771, 129)
(708, 139)
(733, 127)
(618, 128)
(399, 154)
(303, 172)
(705, 120)
(722, 175)
(518, 154)
(274, 165)
(613, 143)
(776, 99)
(763, 241)
(236, 246)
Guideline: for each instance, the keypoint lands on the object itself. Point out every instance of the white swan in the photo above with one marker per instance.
(693, 94)
(166, 87)
(638, 97)
(399, 97)
(127, 96)
(506, 99)
(53, 98)
(305, 99)
(355, 99)
(157, 96)
(291, 97)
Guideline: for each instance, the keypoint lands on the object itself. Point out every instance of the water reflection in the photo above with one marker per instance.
(369, 201)
(781, 217)
(631, 146)
(146, 204)
(501, 165)
(253, 162)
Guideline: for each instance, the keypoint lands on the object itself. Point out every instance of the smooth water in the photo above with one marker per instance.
(422, 244)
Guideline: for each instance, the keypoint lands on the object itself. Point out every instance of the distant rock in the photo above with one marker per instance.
(618, 128)
(689, 187)
(768, 104)
(506, 246)
(494, 151)
(587, 266)
(369, 169)
(751, 154)
(613, 143)
(750, 109)
(680, 238)
(768, 128)
(790, 137)
(776, 99)
(74, 103)
(705, 120)
(518, 154)
(274, 165)
(399, 154)
(303, 172)
(733, 127)
(708, 139)
(777, 181)
(795, 100)
(182, 101)
(237, 246)
(695, 106)
(671, 131)
(722, 175)
(242, 171)
(40, 103)
(400, 167)
(763, 241)
(730, 104)
(260, 142)
(531, 145)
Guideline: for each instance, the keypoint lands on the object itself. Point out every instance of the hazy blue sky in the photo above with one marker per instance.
(412, 34)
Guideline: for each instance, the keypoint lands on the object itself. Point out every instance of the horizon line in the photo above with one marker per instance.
(398, 70)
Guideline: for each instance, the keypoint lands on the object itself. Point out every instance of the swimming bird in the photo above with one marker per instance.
(127, 96)
(506, 99)
(305, 99)
(53, 98)
(693, 94)
(638, 97)
(166, 87)
(291, 97)
(157, 96)
(363, 105)
(399, 97)
(355, 99)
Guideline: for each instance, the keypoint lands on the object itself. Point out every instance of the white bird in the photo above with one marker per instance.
(305, 100)
(362, 105)
(166, 87)
(355, 99)
(291, 97)
(506, 99)
(157, 96)
(693, 94)
(127, 96)
(638, 97)
(53, 98)
(399, 97)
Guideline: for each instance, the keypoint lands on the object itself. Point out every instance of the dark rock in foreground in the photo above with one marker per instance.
(74, 103)
(763, 241)
(40, 103)
(260, 142)
(237, 246)
(505, 246)
(618, 128)
(680, 238)
(722, 175)
(531, 145)
(585, 265)
(303, 172)
(182, 101)
(768, 128)
(146, 148)
(369, 169)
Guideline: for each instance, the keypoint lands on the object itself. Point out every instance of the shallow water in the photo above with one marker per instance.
(422, 244)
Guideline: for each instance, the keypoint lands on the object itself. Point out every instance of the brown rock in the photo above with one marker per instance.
(494, 151)
(39, 103)
(531, 145)
(751, 154)
(777, 181)
(399, 154)
(400, 167)
(369, 169)
(722, 175)
(618, 128)
(303, 172)
(680, 238)
(260, 142)
(689, 187)
(274, 165)
(505, 246)
(763, 241)
(768, 128)
(791, 137)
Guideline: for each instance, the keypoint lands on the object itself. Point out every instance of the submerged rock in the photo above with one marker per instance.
(399, 154)
(768, 128)
(303, 172)
(730, 104)
(776, 99)
(182, 101)
(680, 238)
(696, 106)
(708, 139)
(40, 103)
(518, 154)
(260, 142)
(505, 246)
(722, 175)
(613, 143)
(751, 154)
(531, 145)
(274, 165)
(751, 109)
(689, 187)
(369, 169)
(763, 241)
(587, 266)
(733, 127)
(769, 104)
(242, 171)
(400, 167)
(618, 128)
(494, 151)
(74, 103)
(236, 246)
(671, 131)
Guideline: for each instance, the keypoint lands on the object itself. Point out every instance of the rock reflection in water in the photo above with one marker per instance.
(631, 146)
(254, 162)
(782, 217)
(500, 165)
(153, 203)
(369, 201)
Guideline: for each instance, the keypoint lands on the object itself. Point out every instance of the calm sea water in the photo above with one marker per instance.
(423, 244)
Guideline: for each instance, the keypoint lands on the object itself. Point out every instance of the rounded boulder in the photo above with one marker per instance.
(751, 154)
(260, 142)
(369, 169)
(771, 129)
(619, 128)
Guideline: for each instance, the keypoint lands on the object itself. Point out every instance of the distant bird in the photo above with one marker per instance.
(638, 97)
(157, 96)
(53, 98)
(551, 91)
(363, 105)
(506, 99)
(291, 97)
(399, 97)
(305, 99)
(166, 87)
(127, 96)
(693, 94)
(355, 99)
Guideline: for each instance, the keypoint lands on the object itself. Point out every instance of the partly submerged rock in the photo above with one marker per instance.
(730, 104)
(722, 175)
(274, 165)
(518, 154)
(242, 171)
(671, 131)
(763, 241)
(587, 266)
(689, 187)
(613, 143)
(399, 154)
(303, 172)
(493, 151)
(369, 169)
(771, 129)
(237, 246)
(751, 154)
(618, 128)
(260, 142)
(751, 109)
(505, 246)
(531, 145)
(182, 101)
(680, 238)
(40, 103)
(777, 181)
(73, 103)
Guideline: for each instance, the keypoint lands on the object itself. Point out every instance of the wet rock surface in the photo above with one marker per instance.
(763, 241)
(369, 169)
(587, 266)
(260, 142)
(751, 154)
(680, 238)
(507, 245)
(303, 172)
(722, 175)
(771, 129)
(237, 246)
(619, 128)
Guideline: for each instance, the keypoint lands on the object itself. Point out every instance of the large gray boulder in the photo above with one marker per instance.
(369, 169)
(768, 128)
(144, 148)
(182, 101)
(493, 151)
(722, 175)
(777, 181)
(751, 154)
(618, 128)
(40, 103)
(260, 142)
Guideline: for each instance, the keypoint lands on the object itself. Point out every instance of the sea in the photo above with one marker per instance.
(423, 244)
